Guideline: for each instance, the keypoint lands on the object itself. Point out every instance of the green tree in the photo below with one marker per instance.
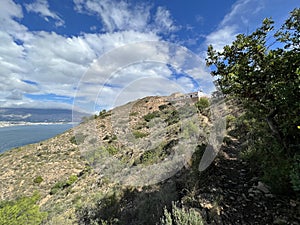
(265, 78)
(202, 104)
(21, 211)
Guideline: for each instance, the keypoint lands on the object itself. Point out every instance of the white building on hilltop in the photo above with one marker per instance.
(193, 96)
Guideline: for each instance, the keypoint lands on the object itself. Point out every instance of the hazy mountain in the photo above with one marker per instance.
(38, 115)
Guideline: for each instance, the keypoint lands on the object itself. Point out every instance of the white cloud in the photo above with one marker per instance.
(121, 15)
(222, 37)
(245, 16)
(138, 70)
(9, 13)
(163, 21)
(41, 7)
(242, 9)
(116, 15)
(53, 64)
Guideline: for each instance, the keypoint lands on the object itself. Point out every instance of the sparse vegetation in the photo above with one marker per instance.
(139, 134)
(152, 115)
(112, 150)
(78, 138)
(173, 117)
(103, 114)
(162, 107)
(128, 206)
(60, 185)
(133, 114)
(181, 216)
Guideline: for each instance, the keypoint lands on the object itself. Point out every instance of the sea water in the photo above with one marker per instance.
(16, 136)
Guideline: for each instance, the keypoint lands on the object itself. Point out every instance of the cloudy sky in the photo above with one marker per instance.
(100, 53)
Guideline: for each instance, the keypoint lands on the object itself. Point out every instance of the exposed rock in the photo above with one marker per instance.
(262, 187)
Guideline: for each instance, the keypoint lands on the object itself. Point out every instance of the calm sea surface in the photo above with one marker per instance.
(15, 136)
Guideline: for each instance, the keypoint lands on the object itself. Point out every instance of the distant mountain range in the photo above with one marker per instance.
(38, 115)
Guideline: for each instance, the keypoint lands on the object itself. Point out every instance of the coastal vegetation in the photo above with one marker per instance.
(264, 77)
(88, 175)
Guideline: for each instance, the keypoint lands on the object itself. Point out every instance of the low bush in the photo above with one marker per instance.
(38, 180)
(112, 150)
(172, 118)
(78, 138)
(71, 180)
(60, 185)
(181, 216)
(139, 134)
(152, 115)
(162, 107)
(133, 114)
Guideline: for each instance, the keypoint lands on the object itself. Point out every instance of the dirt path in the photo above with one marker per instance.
(232, 194)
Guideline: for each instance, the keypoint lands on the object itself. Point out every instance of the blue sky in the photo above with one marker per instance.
(101, 53)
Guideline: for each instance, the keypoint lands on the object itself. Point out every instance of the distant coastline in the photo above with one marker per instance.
(23, 123)
(20, 134)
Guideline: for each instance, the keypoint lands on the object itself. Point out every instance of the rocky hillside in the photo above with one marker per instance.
(137, 164)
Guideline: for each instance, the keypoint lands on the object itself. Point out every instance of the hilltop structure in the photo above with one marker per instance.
(180, 97)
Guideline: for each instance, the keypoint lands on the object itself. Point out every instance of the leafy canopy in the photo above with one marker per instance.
(265, 76)
(262, 71)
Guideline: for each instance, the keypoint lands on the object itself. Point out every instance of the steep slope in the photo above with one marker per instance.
(127, 166)
(144, 137)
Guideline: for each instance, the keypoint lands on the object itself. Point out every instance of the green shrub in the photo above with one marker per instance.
(141, 125)
(151, 116)
(112, 150)
(72, 179)
(60, 185)
(78, 138)
(230, 120)
(277, 174)
(157, 154)
(22, 211)
(105, 211)
(181, 216)
(133, 114)
(172, 118)
(139, 134)
(149, 157)
(73, 140)
(57, 187)
(267, 158)
(103, 114)
(162, 107)
(38, 180)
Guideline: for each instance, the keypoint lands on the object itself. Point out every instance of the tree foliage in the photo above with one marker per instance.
(202, 104)
(265, 77)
